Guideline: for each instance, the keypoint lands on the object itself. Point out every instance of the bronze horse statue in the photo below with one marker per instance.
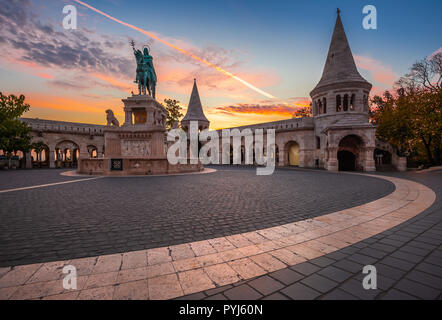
(145, 75)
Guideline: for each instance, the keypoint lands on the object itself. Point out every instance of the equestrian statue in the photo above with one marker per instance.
(146, 76)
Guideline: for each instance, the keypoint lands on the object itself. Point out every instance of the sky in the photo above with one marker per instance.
(275, 50)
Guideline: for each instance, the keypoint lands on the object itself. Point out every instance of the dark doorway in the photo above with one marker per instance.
(382, 157)
(347, 161)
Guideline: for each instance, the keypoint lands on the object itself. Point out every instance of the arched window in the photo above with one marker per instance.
(318, 143)
(320, 106)
(324, 105)
(345, 102)
(365, 103)
(352, 102)
(338, 103)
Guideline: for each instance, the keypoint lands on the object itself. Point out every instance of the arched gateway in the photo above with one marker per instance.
(293, 153)
(350, 153)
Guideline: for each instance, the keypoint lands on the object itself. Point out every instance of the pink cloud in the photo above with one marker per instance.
(434, 53)
(380, 73)
(45, 76)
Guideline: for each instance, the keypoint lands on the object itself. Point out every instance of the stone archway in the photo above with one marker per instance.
(92, 151)
(67, 153)
(382, 157)
(350, 153)
(346, 160)
(40, 158)
(293, 153)
(383, 160)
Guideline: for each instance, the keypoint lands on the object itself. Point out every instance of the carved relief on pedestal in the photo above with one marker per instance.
(92, 165)
(135, 148)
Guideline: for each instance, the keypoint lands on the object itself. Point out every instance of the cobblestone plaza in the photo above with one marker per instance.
(225, 234)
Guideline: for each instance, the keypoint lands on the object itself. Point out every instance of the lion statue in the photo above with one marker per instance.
(111, 120)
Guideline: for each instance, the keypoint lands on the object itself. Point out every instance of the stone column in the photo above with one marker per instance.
(28, 160)
(51, 158)
(281, 157)
(332, 163)
(83, 153)
(369, 164)
(128, 117)
(150, 120)
(302, 156)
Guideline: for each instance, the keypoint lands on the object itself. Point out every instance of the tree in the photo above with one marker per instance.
(14, 134)
(303, 112)
(174, 112)
(411, 116)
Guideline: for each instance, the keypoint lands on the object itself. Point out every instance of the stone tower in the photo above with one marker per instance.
(341, 112)
(195, 112)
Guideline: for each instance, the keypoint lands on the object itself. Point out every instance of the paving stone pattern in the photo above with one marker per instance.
(408, 259)
(113, 215)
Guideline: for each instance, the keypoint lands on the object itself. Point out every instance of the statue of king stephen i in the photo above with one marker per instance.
(145, 75)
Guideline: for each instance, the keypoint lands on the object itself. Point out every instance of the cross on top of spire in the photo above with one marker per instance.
(338, 11)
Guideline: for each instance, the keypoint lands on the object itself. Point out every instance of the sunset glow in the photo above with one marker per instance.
(207, 63)
(247, 71)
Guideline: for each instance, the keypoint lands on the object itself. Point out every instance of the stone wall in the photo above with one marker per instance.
(66, 135)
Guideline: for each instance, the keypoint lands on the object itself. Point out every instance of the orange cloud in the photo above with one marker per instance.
(221, 120)
(282, 109)
(46, 76)
(64, 103)
(30, 67)
(123, 86)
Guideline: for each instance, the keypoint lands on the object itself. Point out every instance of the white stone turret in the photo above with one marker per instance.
(195, 112)
(342, 93)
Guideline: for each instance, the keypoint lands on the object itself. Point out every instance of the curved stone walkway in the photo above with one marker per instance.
(173, 271)
(407, 258)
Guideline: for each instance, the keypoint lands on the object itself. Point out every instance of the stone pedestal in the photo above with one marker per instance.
(138, 146)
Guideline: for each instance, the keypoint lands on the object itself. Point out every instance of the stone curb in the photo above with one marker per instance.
(73, 173)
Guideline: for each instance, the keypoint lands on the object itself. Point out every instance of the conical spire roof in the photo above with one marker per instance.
(340, 65)
(195, 109)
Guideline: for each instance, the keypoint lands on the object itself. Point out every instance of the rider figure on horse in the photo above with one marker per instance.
(146, 76)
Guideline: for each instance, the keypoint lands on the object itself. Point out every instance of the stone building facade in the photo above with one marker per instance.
(338, 136)
(64, 142)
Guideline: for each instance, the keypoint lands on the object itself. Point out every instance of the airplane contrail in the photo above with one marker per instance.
(227, 73)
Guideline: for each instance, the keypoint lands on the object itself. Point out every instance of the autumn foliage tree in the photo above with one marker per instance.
(410, 117)
(303, 112)
(174, 112)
